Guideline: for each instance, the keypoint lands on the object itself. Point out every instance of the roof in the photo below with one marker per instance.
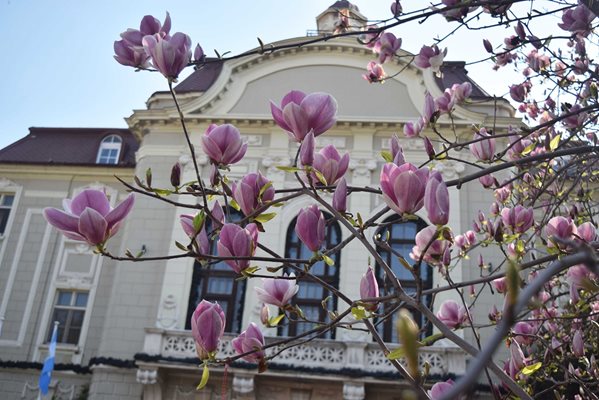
(67, 146)
(344, 4)
(455, 72)
(202, 78)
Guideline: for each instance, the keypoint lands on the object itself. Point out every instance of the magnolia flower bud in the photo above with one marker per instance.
(369, 288)
(223, 144)
(176, 175)
(403, 187)
(310, 227)
(265, 315)
(578, 344)
(207, 328)
(235, 241)
(340, 196)
(307, 149)
(436, 199)
(452, 314)
(250, 340)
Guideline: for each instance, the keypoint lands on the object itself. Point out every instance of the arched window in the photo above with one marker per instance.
(110, 150)
(400, 235)
(218, 282)
(310, 294)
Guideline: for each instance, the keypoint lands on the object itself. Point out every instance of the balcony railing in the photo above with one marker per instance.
(318, 353)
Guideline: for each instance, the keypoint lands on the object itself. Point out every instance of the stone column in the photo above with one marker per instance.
(243, 387)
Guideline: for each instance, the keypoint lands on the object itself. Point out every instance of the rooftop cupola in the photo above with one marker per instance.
(341, 16)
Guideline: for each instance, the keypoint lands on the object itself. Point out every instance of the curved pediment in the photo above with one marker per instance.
(245, 87)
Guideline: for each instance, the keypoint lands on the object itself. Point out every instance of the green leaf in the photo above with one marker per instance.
(274, 269)
(263, 218)
(387, 156)
(529, 148)
(358, 312)
(234, 204)
(397, 353)
(263, 189)
(288, 169)
(320, 177)
(427, 341)
(181, 246)
(360, 221)
(162, 192)
(530, 369)
(554, 142)
(328, 260)
(274, 321)
(198, 221)
(205, 377)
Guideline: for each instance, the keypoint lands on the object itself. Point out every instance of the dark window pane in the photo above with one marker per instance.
(7, 200)
(76, 319)
(73, 336)
(4, 214)
(220, 285)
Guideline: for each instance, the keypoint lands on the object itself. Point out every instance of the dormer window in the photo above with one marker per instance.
(110, 150)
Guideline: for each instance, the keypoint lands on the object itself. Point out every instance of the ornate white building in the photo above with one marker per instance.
(124, 325)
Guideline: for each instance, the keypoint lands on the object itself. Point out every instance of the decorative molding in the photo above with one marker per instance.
(450, 169)
(271, 162)
(47, 194)
(362, 167)
(353, 391)
(15, 264)
(243, 384)
(168, 315)
(339, 142)
(254, 140)
(6, 183)
(147, 376)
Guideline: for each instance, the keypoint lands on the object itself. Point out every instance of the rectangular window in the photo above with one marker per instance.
(6, 201)
(69, 311)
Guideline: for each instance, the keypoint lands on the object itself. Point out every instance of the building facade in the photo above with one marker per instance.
(124, 325)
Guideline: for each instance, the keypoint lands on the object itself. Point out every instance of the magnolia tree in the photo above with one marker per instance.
(542, 221)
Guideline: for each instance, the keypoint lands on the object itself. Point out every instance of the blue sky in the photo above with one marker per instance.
(58, 68)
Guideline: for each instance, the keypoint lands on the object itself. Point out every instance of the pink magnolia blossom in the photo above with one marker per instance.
(519, 92)
(235, 241)
(169, 55)
(198, 54)
(428, 109)
(452, 314)
(413, 129)
(575, 276)
(310, 227)
(484, 147)
(375, 72)
(252, 192)
(500, 284)
(88, 217)
(301, 113)
(207, 328)
(277, 292)
(445, 102)
(200, 237)
(430, 57)
(523, 332)
(387, 46)
(130, 51)
(461, 91)
(223, 144)
(497, 7)
(517, 360)
(396, 8)
(436, 199)
(369, 288)
(330, 164)
(440, 389)
(487, 181)
(250, 340)
(456, 13)
(434, 252)
(575, 118)
(577, 20)
(519, 219)
(587, 232)
(578, 344)
(560, 229)
(403, 187)
(265, 315)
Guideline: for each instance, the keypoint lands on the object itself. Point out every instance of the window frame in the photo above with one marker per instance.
(108, 143)
(72, 308)
(293, 249)
(386, 327)
(5, 222)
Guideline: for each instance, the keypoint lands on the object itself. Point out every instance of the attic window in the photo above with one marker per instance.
(110, 150)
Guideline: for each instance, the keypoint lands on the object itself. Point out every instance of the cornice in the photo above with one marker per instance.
(63, 171)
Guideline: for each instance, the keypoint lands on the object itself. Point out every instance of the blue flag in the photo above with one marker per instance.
(46, 374)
